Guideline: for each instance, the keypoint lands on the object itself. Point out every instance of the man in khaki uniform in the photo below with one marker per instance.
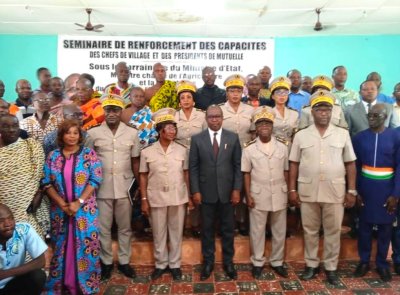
(321, 159)
(165, 191)
(118, 148)
(338, 118)
(237, 118)
(265, 167)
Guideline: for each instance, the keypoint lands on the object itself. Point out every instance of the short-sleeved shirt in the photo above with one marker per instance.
(346, 97)
(189, 127)
(238, 122)
(321, 170)
(266, 163)
(115, 152)
(24, 239)
(298, 100)
(285, 126)
(166, 184)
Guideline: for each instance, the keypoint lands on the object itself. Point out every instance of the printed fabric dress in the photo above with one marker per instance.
(84, 170)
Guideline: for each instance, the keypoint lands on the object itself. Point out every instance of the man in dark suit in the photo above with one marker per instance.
(215, 183)
(356, 115)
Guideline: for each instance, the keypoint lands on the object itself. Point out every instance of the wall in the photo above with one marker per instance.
(21, 55)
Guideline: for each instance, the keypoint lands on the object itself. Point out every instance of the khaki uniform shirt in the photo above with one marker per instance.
(285, 127)
(321, 170)
(166, 184)
(337, 118)
(115, 153)
(266, 165)
(189, 127)
(238, 122)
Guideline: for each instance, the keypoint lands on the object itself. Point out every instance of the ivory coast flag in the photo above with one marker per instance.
(378, 173)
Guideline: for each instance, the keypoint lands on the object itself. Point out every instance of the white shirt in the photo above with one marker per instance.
(219, 132)
(24, 239)
(366, 104)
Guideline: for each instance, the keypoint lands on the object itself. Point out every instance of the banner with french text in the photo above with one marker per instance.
(184, 58)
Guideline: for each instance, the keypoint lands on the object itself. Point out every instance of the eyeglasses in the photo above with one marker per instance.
(216, 117)
(375, 115)
(76, 115)
(281, 92)
(42, 99)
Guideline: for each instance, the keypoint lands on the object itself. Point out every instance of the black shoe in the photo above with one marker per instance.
(230, 271)
(243, 232)
(256, 272)
(157, 273)
(309, 273)
(332, 277)
(280, 270)
(206, 271)
(384, 273)
(106, 270)
(361, 270)
(196, 233)
(397, 268)
(176, 274)
(127, 270)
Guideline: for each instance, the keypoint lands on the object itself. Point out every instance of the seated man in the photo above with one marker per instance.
(16, 276)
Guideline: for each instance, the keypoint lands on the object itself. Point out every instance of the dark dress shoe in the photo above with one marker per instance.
(397, 268)
(127, 270)
(280, 270)
(256, 272)
(106, 270)
(157, 273)
(196, 233)
(230, 271)
(309, 273)
(361, 270)
(332, 277)
(176, 274)
(384, 273)
(206, 271)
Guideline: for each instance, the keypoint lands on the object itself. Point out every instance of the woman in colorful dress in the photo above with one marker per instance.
(71, 175)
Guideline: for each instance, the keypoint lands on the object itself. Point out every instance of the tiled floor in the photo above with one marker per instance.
(218, 283)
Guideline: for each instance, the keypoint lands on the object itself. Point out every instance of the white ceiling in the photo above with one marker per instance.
(208, 18)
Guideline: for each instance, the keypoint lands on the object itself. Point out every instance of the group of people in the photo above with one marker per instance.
(71, 159)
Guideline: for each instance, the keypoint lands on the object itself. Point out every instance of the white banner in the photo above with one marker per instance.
(184, 58)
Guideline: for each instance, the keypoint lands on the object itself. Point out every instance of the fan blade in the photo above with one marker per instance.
(97, 31)
(79, 25)
(98, 27)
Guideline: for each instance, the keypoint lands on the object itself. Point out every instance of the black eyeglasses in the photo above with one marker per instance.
(375, 115)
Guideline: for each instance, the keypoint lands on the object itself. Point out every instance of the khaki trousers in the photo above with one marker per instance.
(258, 221)
(121, 209)
(331, 217)
(168, 222)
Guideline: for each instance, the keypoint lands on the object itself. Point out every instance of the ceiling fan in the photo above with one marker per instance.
(318, 25)
(89, 26)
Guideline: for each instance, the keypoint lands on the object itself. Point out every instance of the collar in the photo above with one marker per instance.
(365, 104)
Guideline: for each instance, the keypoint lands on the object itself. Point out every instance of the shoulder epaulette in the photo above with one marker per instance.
(93, 126)
(299, 129)
(149, 145)
(180, 144)
(306, 106)
(246, 144)
(343, 127)
(221, 104)
(282, 140)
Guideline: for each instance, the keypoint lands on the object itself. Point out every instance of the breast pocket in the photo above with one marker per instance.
(336, 151)
(102, 145)
(125, 145)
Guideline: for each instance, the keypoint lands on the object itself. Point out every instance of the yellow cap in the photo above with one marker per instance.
(112, 100)
(185, 85)
(164, 115)
(322, 81)
(263, 113)
(280, 82)
(322, 96)
(235, 81)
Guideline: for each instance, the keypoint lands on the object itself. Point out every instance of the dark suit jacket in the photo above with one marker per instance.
(356, 118)
(215, 178)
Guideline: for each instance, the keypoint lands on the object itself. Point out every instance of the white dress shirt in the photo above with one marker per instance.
(212, 135)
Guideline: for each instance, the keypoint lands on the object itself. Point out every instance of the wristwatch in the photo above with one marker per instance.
(81, 201)
(353, 192)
